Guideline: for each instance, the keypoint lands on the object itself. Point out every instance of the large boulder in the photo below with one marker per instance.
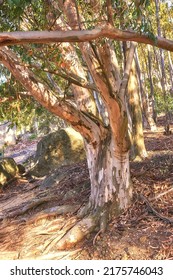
(56, 149)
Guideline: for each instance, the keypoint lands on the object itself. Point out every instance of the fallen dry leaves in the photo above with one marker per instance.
(35, 215)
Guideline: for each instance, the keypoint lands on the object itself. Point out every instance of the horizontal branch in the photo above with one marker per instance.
(20, 37)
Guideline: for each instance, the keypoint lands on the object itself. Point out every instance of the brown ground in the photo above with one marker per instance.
(30, 226)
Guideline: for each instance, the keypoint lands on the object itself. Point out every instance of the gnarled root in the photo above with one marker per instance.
(95, 221)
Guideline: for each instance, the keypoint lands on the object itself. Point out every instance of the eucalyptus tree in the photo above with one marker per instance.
(80, 46)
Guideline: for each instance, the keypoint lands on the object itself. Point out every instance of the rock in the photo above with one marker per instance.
(8, 170)
(56, 149)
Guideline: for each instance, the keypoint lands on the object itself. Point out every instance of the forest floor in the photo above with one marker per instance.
(31, 223)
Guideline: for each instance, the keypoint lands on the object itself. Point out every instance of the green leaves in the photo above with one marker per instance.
(18, 3)
(18, 6)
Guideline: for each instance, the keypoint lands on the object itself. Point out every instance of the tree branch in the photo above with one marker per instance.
(67, 75)
(109, 12)
(59, 107)
(47, 37)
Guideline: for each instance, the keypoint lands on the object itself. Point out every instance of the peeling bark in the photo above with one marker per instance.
(111, 191)
(109, 175)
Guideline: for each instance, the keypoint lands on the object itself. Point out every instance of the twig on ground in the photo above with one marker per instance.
(160, 216)
(160, 195)
(95, 237)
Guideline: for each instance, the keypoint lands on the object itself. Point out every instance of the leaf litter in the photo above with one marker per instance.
(35, 215)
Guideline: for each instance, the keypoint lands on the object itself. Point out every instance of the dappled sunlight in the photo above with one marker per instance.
(100, 68)
(34, 217)
(35, 238)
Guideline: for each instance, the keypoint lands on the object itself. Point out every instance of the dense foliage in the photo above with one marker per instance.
(48, 63)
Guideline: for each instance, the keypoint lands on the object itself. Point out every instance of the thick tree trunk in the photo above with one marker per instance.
(109, 175)
(111, 190)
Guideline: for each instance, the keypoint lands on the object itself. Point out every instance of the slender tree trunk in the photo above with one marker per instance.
(170, 72)
(163, 77)
(152, 111)
(148, 114)
(136, 113)
(157, 60)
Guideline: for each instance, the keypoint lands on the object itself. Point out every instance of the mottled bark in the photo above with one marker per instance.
(109, 175)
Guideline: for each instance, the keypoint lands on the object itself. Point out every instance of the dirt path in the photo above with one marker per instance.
(31, 222)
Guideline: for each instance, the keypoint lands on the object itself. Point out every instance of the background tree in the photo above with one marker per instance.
(162, 67)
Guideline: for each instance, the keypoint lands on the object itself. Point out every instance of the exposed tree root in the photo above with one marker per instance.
(51, 212)
(77, 232)
(84, 211)
(17, 212)
(51, 243)
(96, 221)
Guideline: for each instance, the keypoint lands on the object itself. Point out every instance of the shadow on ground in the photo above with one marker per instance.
(35, 214)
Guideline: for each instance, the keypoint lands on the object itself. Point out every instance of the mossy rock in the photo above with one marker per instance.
(8, 170)
(56, 149)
